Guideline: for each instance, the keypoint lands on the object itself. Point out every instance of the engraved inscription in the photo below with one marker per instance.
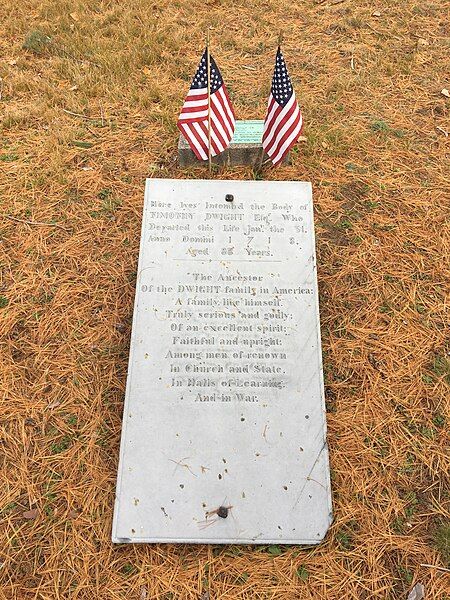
(223, 296)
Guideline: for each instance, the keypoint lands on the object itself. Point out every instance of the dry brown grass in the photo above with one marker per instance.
(376, 158)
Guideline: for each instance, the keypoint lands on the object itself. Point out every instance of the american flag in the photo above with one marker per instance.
(283, 122)
(193, 119)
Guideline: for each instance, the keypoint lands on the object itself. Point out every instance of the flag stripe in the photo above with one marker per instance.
(219, 104)
(191, 103)
(271, 108)
(277, 115)
(214, 147)
(269, 130)
(215, 138)
(192, 109)
(197, 137)
(221, 119)
(227, 104)
(279, 127)
(293, 137)
(193, 140)
(219, 133)
(279, 130)
(199, 92)
(202, 132)
(291, 134)
(194, 115)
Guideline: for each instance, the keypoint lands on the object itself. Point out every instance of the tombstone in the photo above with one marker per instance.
(224, 433)
(245, 148)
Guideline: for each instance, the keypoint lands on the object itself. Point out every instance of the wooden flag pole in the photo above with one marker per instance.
(280, 38)
(208, 76)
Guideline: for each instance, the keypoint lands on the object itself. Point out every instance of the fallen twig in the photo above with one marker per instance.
(383, 33)
(37, 223)
(95, 134)
(435, 567)
(80, 60)
(74, 114)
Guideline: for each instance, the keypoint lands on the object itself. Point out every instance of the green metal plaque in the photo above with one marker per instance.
(248, 132)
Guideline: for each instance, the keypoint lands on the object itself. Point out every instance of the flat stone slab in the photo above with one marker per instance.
(224, 433)
(245, 148)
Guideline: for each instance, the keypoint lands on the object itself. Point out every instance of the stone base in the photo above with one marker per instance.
(245, 149)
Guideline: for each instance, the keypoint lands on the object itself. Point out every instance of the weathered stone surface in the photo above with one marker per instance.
(223, 436)
(245, 148)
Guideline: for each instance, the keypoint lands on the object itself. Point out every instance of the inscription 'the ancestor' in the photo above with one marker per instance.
(225, 362)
